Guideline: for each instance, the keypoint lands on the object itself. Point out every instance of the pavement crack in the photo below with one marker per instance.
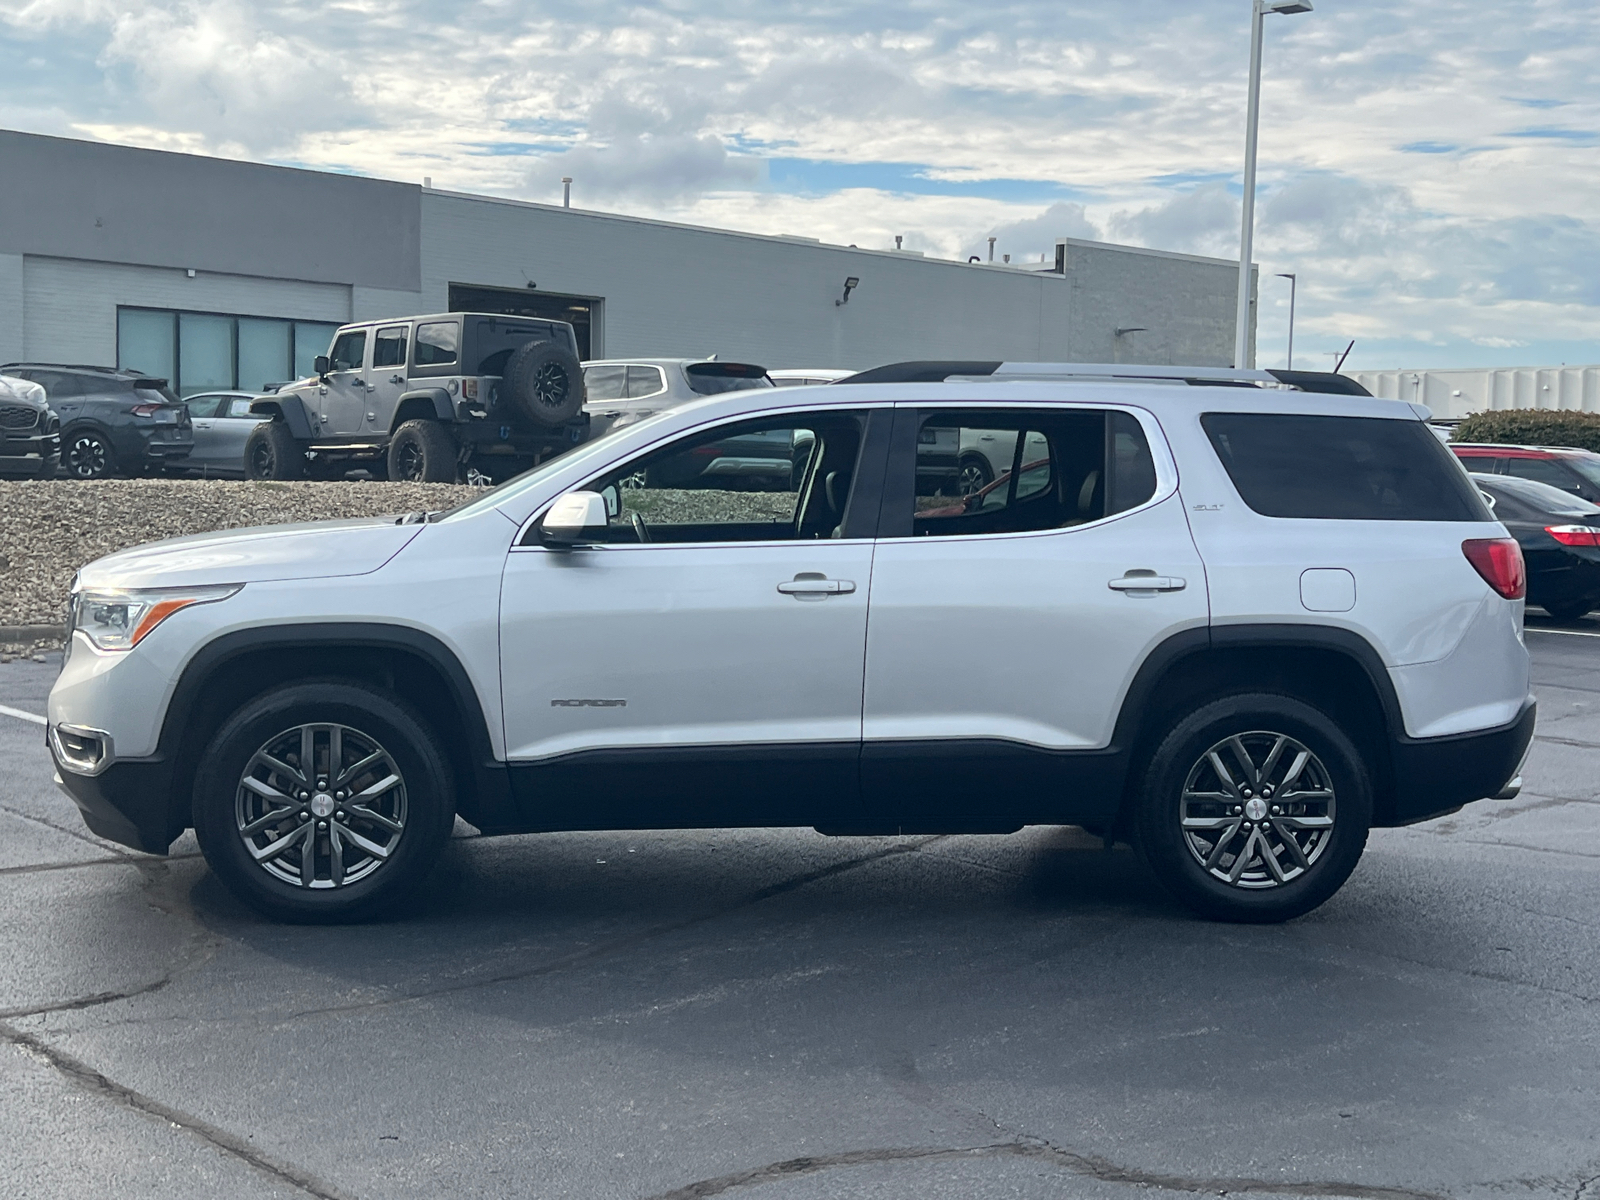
(1091, 1166)
(80, 1002)
(617, 945)
(86, 1077)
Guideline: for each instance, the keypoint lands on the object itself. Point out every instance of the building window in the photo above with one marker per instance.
(207, 352)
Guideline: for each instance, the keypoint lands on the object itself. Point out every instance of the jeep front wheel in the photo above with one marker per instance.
(424, 452)
(272, 453)
(1255, 808)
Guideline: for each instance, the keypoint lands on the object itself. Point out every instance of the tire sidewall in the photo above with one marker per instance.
(1160, 838)
(430, 798)
(288, 460)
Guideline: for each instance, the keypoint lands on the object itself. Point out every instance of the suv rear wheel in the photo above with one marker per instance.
(423, 452)
(1254, 808)
(87, 454)
(272, 453)
(323, 801)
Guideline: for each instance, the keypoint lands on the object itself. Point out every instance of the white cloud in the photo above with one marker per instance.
(1430, 172)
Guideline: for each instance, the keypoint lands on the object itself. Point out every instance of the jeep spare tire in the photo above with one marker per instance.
(544, 383)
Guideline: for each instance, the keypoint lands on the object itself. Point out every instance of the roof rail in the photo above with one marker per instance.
(939, 371)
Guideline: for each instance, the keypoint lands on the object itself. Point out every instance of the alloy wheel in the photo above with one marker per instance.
(262, 460)
(973, 478)
(321, 806)
(408, 461)
(550, 385)
(87, 457)
(1257, 810)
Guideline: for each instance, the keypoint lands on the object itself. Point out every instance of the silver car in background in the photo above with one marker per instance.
(222, 425)
(624, 390)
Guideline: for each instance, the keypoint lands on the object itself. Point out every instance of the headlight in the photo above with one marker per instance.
(117, 619)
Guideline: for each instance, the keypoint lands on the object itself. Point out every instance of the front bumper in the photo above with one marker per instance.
(128, 802)
(30, 454)
(1434, 776)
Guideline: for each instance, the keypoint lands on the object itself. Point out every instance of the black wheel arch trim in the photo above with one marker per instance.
(443, 409)
(291, 408)
(486, 799)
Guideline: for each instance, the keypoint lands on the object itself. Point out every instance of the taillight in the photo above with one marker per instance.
(1499, 561)
(145, 410)
(1574, 535)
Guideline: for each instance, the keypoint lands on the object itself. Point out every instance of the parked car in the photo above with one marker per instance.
(113, 422)
(807, 376)
(622, 391)
(1560, 538)
(1236, 624)
(222, 424)
(1576, 472)
(427, 399)
(30, 433)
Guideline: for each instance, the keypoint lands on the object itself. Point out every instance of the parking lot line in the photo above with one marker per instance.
(1564, 632)
(21, 715)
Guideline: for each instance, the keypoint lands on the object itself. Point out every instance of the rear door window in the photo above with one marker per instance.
(390, 348)
(1342, 468)
(1015, 470)
(605, 382)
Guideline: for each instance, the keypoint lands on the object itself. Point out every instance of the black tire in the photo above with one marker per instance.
(86, 453)
(422, 806)
(973, 475)
(271, 452)
(1252, 827)
(424, 452)
(1569, 610)
(544, 383)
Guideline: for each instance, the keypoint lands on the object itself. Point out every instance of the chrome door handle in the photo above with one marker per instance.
(810, 584)
(396, 379)
(1147, 581)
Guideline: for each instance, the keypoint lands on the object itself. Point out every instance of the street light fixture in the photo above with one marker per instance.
(1293, 283)
(1258, 11)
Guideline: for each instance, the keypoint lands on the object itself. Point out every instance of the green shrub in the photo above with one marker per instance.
(1532, 427)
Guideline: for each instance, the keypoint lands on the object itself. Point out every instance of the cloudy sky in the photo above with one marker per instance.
(1430, 170)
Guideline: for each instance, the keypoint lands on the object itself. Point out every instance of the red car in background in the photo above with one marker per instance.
(1576, 472)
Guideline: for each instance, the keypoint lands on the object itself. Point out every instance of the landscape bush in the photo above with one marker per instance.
(1532, 427)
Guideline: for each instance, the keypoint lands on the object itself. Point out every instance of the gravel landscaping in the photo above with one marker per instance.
(50, 529)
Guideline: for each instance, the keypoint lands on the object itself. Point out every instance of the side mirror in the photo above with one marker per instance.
(574, 519)
(321, 364)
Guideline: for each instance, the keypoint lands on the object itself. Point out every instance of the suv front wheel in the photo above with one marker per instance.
(323, 801)
(1255, 808)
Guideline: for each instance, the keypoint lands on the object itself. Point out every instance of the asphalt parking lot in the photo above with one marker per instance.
(778, 1015)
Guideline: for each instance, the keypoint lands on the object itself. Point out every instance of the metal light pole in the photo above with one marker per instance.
(1258, 12)
(1289, 275)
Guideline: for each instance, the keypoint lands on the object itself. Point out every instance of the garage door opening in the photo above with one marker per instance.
(579, 311)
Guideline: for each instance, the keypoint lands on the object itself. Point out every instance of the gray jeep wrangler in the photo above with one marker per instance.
(429, 400)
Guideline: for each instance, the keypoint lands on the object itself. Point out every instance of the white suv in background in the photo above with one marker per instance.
(1237, 625)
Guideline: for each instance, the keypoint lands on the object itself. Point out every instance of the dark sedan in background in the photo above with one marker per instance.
(1560, 538)
(112, 422)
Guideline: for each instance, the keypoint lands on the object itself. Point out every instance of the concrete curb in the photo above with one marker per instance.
(32, 633)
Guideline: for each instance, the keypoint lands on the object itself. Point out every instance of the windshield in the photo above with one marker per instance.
(1538, 495)
(517, 484)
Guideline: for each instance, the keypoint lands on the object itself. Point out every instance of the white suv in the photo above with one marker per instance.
(1238, 625)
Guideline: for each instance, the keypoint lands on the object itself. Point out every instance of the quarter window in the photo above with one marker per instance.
(437, 343)
(349, 351)
(389, 350)
(645, 381)
(776, 479)
(1009, 471)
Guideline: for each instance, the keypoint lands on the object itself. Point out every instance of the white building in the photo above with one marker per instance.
(216, 273)
(1459, 391)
